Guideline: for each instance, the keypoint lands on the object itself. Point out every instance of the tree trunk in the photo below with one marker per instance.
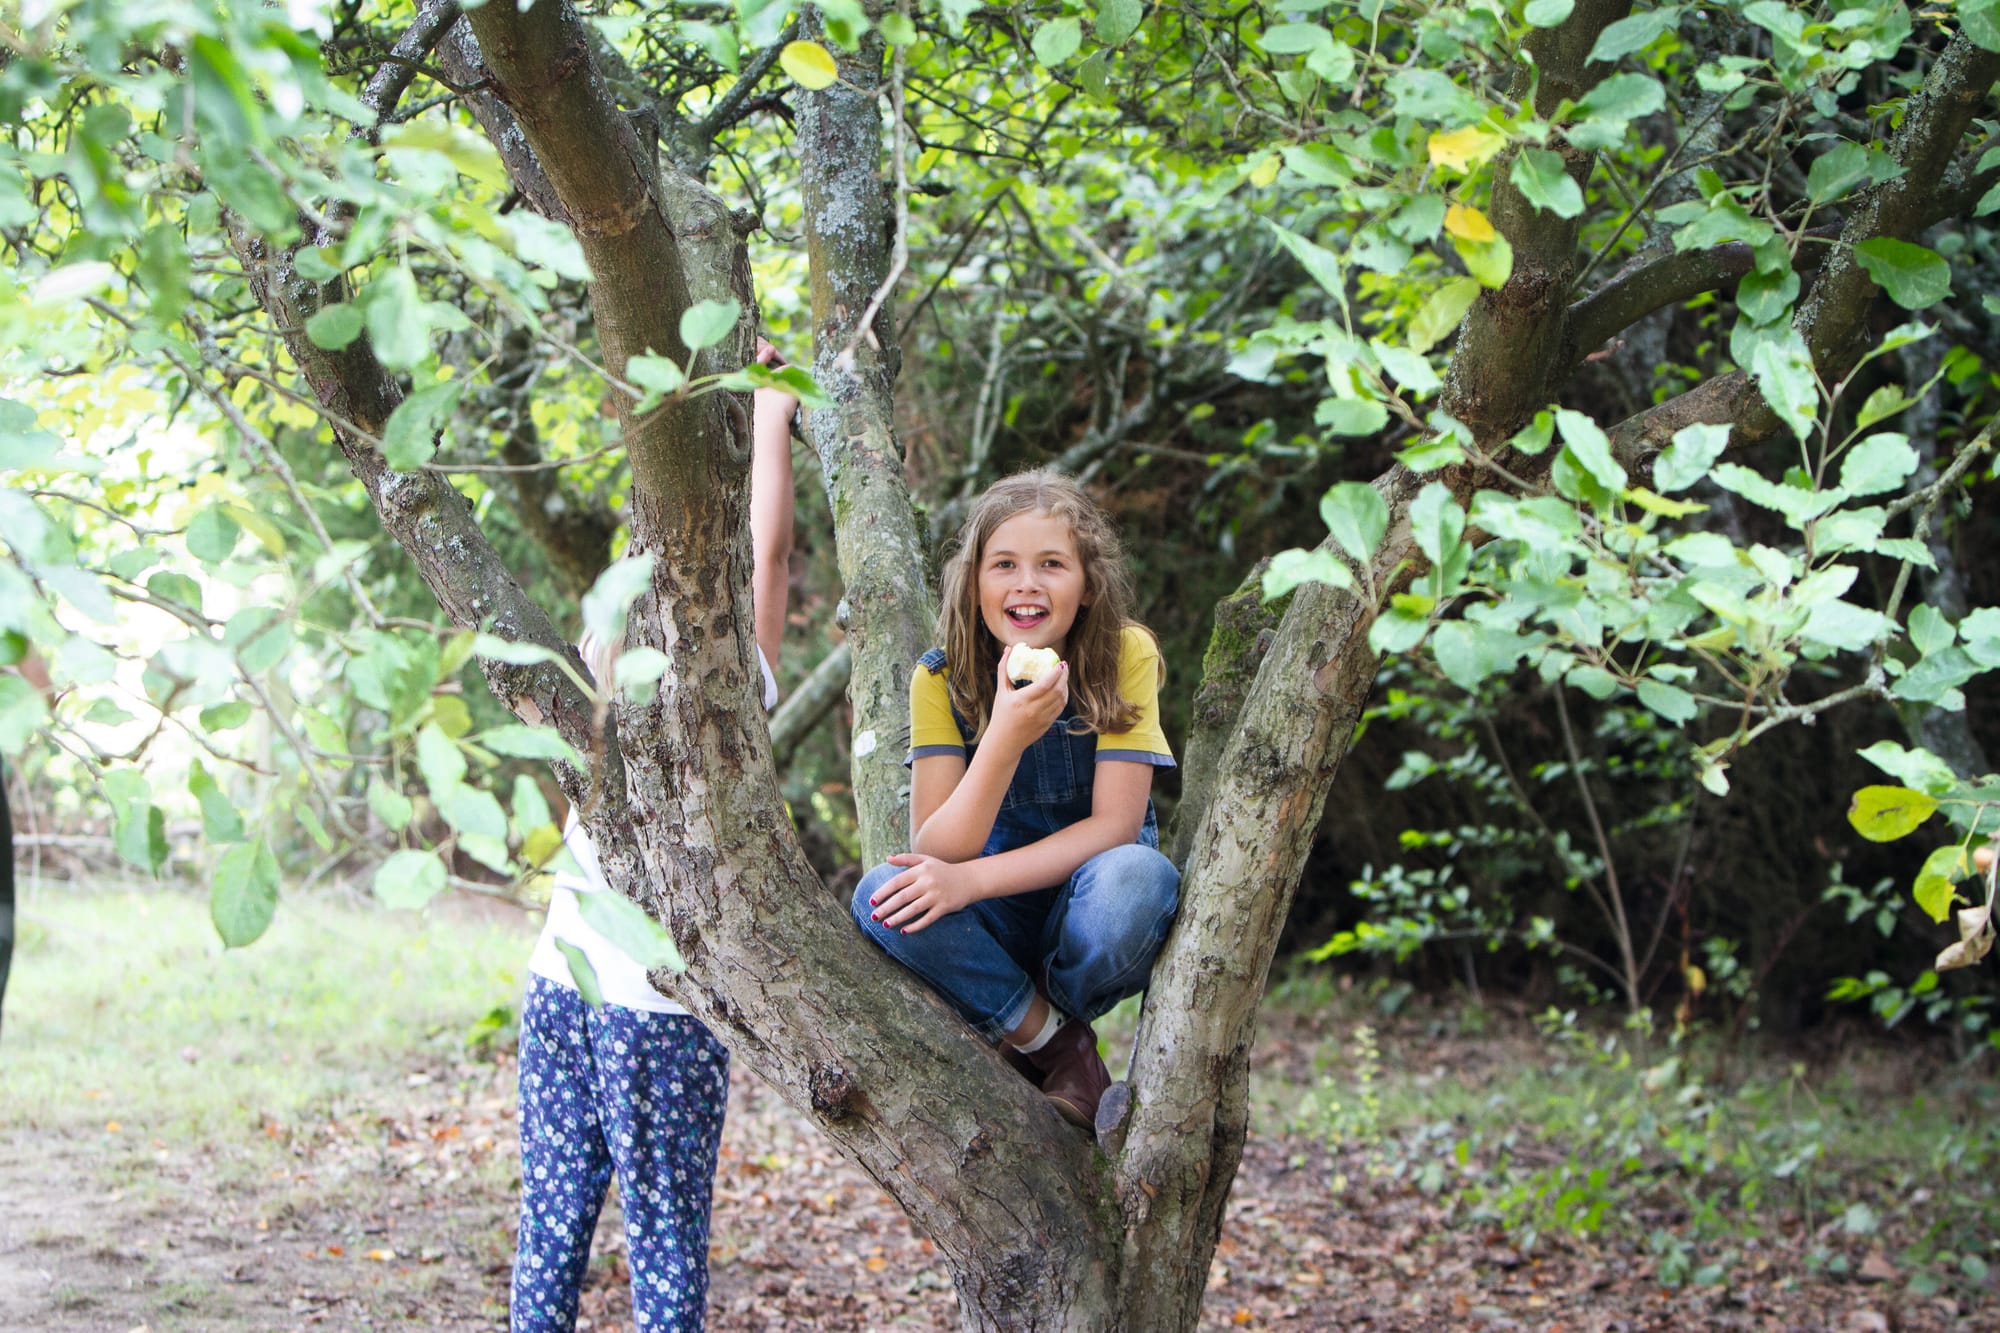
(888, 606)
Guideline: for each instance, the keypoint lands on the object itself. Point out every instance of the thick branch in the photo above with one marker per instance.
(608, 185)
(1510, 348)
(888, 605)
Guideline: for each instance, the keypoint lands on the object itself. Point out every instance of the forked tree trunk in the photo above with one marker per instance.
(1040, 1228)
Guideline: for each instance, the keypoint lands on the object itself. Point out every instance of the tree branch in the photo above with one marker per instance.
(1833, 316)
(608, 186)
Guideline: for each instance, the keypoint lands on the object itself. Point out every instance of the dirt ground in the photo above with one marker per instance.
(400, 1214)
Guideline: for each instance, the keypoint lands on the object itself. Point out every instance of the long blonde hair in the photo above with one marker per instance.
(1095, 639)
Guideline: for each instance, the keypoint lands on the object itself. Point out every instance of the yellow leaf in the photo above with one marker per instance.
(1266, 171)
(809, 64)
(1659, 504)
(1468, 224)
(541, 844)
(263, 529)
(1465, 148)
(382, 1256)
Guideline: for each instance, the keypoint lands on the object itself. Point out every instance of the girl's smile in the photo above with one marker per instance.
(1031, 582)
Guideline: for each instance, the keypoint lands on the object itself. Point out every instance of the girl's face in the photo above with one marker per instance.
(1031, 582)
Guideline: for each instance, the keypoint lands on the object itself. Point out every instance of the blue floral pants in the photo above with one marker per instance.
(641, 1092)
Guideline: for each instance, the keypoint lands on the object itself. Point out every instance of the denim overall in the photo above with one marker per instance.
(1086, 943)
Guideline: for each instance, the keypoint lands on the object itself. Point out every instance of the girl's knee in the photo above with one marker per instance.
(1142, 881)
(862, 908)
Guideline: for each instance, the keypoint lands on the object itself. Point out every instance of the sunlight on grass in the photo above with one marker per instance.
(124, 1008)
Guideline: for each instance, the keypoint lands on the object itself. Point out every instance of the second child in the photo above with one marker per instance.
(1033, 897)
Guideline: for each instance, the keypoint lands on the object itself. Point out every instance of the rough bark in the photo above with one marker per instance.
(888, 606)
(1511, 348)
(1244, 624)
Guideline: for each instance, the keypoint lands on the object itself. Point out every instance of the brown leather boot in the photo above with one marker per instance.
(1073, 1074)
(1021, 1064)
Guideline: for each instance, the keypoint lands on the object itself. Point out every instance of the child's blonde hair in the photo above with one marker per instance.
(1094, 641)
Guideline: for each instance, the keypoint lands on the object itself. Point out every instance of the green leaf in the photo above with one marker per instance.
(179, 589)
(1981, 21)
(1937, 883)
(530, 743)
(1437, 523)
(225, 716)
(398, 319)
(1688, 457)
(626, 925)
(1913, 768)
(390, 806)
(409, 879)
(809, 65)
(1594, 681)
(1634, 32)
(1882, 404)
(1401, 627)
(244, 897)
(1117, 20)
(1547, 13)
(1288, 569)
(333, 326)
(260, 635)
(583, 974)
(1677, 706)
(706, 323)
(1784, 372)
(141, 836)
(1351, 416)
(474, 813)
(610, 599)
(1291, 39)
(1322, 264)
(211, 535)
(1057, 40)
(1765, 298)
(1914, 277)
(219, 820)
(22, 713)
(413, 433)
(1884, 814)
(1836, 171)
(439, 760)
(1354, 512)
(1882, 462)
(513, 652)
(1441, 313)
(637, 673)
(1588, 445)
(1543, 179)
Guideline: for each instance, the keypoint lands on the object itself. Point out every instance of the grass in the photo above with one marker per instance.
(124, 1009)
(1677, 1145)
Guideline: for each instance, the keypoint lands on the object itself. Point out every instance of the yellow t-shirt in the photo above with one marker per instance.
(934, 731)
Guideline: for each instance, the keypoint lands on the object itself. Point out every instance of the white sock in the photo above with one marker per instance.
(1050, 1026)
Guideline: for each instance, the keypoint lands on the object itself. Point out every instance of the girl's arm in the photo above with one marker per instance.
(952, 803)
(770, 509)
(930, 887)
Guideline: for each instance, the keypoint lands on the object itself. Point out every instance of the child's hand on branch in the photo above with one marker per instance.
(1020, 716)
(926, 890)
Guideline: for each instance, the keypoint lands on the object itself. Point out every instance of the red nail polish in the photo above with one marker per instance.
(876, 917)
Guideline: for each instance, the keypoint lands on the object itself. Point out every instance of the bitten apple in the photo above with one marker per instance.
(1027, 665)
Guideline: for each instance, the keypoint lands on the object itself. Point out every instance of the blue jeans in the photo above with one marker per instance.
(1087, 944)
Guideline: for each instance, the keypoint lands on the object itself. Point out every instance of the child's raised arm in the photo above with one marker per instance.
(771, 508)
(953, 804)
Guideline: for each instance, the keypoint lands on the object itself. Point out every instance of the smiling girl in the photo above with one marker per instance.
(1033, 896)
